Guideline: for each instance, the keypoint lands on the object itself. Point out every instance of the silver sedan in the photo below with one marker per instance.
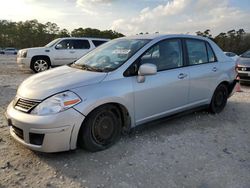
(119, 85)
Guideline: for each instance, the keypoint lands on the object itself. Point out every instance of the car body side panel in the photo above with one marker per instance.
(62, 56)
(203, 80)
(118, 91)
(159, 94)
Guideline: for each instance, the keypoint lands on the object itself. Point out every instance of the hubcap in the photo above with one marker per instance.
(41, 65)
(103, 129)
(219, 99)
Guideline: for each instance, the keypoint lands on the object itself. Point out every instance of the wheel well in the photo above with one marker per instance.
(125, 116)
(227, 85)
(126, 120)
(34, 58)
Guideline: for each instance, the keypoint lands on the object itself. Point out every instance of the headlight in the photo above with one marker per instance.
(23, 53)
(57, 103)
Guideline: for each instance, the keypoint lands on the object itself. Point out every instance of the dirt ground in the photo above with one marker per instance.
(196, 150)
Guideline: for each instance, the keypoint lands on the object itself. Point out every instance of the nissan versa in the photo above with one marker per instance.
(119, 85)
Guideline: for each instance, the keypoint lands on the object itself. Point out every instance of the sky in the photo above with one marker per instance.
(131, 17)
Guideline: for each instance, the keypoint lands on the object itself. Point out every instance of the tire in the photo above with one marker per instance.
(40, 64)
(219, 99)
(101, 129)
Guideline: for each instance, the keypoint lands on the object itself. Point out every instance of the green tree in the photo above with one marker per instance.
(31, 33)
(232, 40)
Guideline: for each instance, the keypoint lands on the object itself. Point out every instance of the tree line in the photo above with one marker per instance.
(237, 41)
(31, 33)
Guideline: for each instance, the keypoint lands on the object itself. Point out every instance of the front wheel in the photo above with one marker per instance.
(101, 129)
(40, 65)
(219, 99)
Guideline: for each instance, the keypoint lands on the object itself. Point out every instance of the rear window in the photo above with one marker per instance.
(98, 42)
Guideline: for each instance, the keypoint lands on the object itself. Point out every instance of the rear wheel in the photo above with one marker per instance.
(219, 99)
(101, 129)
(40, 65)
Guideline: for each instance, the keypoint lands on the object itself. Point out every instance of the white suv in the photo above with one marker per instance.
(58, 52)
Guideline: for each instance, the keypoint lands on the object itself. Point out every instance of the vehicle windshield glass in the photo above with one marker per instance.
(110, 55)
(52, 43)
(246, 54)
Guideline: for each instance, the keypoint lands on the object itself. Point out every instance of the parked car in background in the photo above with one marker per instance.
(234, 56)
(1, 51)
(243, 67)
(122, 84)
(10, 51)
(60, 51)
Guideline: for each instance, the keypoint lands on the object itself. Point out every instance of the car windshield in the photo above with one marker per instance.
(51, 43)
(246, 54)
(110, 55)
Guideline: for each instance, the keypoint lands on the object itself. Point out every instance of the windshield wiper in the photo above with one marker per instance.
(90, 68)
(95, 69)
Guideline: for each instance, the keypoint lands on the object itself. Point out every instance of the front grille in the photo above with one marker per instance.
(18, 132)
(25, 105)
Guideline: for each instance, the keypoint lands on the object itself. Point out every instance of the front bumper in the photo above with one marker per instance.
(23, 62)
(244, 76)
(51, 133)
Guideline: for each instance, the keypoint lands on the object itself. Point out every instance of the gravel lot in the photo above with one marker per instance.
(196, 150)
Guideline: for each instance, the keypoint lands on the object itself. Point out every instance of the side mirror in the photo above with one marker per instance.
(59, 46)
(145, 70)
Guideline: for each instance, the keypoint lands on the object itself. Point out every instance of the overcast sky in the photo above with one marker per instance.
(134, 16)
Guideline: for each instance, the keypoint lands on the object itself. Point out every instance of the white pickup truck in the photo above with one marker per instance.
(58, 52)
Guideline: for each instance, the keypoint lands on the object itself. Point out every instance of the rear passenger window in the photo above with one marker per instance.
(197, 52)
(81, 44)
(210, 53)
(98, 42)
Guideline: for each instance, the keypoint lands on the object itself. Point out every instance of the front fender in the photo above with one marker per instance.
(113, 91)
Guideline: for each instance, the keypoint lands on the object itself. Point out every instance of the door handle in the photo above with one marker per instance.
(182, 76)
(214, 69)
(71, 52)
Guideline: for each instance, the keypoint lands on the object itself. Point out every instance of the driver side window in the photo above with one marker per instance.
(165, 55)
(65, 44)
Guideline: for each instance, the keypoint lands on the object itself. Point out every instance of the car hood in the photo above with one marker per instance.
(33, 51)
(35, 48)
(45, 84)
(243, 61)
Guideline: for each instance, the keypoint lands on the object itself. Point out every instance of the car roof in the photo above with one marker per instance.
(165, 36)
(89, 38)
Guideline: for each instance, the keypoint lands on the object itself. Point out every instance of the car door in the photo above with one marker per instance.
(81, 47)
(167, 91)
(204, 71)
(64, 52)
